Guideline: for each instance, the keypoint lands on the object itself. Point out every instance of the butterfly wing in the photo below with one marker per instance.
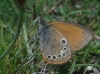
(54, 46)
(77, 35)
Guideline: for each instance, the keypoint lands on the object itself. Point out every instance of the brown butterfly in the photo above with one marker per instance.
(59, 39)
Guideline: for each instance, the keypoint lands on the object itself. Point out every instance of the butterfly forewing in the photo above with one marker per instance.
(77, 35)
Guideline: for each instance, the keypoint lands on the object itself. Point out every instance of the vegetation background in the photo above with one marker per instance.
(25, 57)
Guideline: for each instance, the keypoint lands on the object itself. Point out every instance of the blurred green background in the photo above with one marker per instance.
(25, 56)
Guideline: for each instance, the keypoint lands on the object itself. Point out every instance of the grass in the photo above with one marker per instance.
(25, 57)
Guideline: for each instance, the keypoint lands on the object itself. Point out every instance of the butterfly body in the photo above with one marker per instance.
(58, 40)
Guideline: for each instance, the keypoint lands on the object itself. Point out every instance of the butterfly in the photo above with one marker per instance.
(59, 39)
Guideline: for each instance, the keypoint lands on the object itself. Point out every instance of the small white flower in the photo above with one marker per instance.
(89, 68)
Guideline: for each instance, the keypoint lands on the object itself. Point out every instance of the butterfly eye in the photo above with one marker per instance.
(54, 57)
(65, 48)
(49, 57)
(63, 41)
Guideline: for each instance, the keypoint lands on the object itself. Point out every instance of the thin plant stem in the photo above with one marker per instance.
(16, 35)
